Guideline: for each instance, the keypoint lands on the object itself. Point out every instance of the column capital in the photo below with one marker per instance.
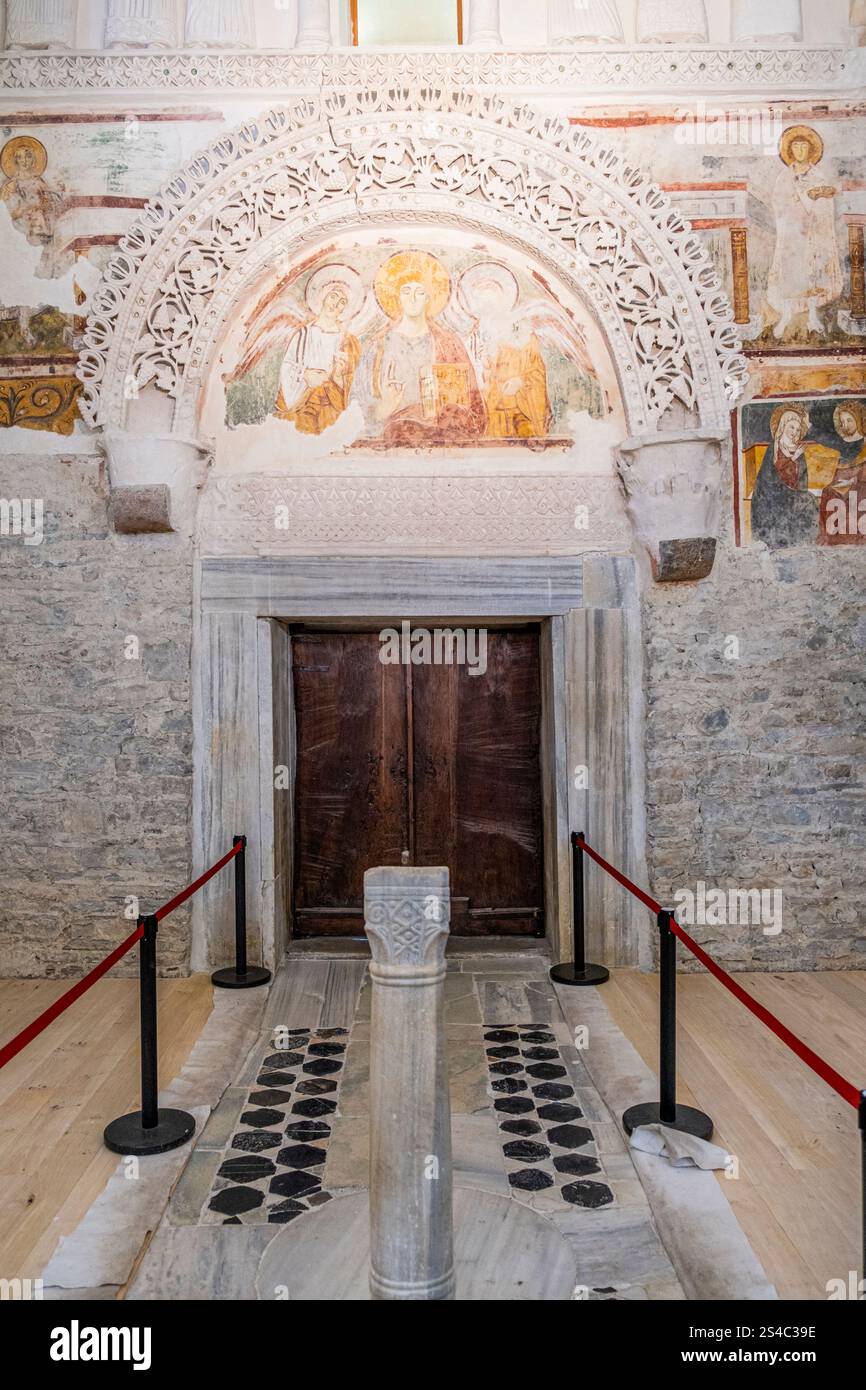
(407, 915)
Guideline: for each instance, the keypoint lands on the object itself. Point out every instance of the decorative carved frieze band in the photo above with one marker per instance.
(301, 173)
(504, 514)
(599, 70)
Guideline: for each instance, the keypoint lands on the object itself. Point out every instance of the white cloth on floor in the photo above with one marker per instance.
(683, 1150)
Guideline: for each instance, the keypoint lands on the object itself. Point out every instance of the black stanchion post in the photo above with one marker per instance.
(241, 976)
(577, 972)
(862, 1113)
(667, 1112)
(148, 1130)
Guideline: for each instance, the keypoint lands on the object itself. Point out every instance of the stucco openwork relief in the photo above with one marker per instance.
(298, 173)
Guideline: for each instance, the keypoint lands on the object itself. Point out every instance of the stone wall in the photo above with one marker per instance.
(96, 748)
(756, 762)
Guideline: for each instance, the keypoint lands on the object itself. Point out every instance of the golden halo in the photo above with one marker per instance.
(406, 266)
(800, 132)
(22, 142)
(789, 408)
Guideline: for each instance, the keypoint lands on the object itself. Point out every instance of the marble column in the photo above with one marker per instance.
(314, 26)
(483, 28)
(219, 24)
(141, 23)
(407, 914)
(596, 21)
(41, 23)
(671, 21)
(761, 20)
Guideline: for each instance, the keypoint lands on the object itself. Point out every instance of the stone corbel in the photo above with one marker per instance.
(673, 484)
(155, 481)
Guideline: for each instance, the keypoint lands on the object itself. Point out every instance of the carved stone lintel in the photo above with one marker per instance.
(155, 480)
(673, 485)
(407, 913)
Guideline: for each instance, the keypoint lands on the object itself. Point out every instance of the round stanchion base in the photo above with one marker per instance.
(127, 1135)
(568, 974)
(688, 1121)
(230, 979)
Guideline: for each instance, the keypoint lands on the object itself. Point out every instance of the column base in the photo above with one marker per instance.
(688, 1120)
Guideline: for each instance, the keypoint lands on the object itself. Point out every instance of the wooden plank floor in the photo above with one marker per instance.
(59, 1093)
(797, 1196)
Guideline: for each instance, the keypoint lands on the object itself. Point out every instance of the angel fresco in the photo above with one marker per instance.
(506, 342)
(414, 350)
(318, 354)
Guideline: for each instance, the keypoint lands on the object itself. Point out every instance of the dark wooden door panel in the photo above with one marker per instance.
(478, 783)
(351, 782)
(427, 761)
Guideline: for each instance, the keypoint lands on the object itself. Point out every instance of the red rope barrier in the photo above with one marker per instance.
(199, 883)
(620, 878)
(817, 1064)
(33, 1029)
(38, 1025)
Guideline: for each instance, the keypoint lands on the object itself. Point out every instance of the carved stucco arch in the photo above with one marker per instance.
(316, 167)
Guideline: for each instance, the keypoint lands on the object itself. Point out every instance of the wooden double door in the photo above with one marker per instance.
(425, 764)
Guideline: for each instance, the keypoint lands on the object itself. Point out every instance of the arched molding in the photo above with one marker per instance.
(286, 180)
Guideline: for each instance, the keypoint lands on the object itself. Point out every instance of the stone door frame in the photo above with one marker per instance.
(592, 718)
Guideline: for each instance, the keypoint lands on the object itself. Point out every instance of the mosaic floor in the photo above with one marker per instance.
(273, 1165)
(543, 1145)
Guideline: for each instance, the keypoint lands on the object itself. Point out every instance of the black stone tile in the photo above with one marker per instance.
(569, 1136)
(576, 1165)
(546, 1071)
(282, 1059)
(306, 1130)
(314, 1107)
(553, 1090)
(254, 1140)
(530, 1179)
(287, 1208)
(294, 1184)
(508, 1085)
(301, 1156)
(522, 1127)
(331, 1033)
(318, 1199)
(541, 1054)
(316, 1086)
(269, 1097)
(514, 1105)
(524, 1151)
(501, 1052)
(536, 1035)
(246, 1169)
(233, 1201)
(262, 1119)
(276, 1078)
(505, 1068)
(325, 1049)
(282, 1218)
(501, 1035)
(322, 1066)
(557, 1110)
(587, 1194)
